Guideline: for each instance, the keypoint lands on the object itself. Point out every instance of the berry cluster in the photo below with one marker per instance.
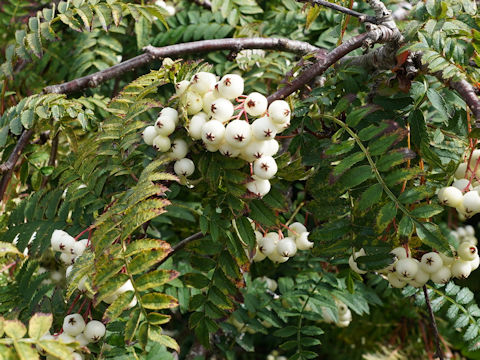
(344, 315)
(463, 194)
(279, 248)
(434, 266)
(212, 117)
(70, 248)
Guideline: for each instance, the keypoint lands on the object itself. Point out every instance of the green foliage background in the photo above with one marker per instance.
(341, 172)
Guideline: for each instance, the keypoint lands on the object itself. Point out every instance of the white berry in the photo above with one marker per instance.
(213, 132)
(179, 149)
(256, 104)
(287, 247)
(73, 324)
(230, 86)
(279, 111)
(271, 147)
(165, 125)
(265, 167)
(61, 241)
(399, 252)
(170, 113)
(259, 187)
(450, 196)
(228, 150)
(442, 275)
(395, 280)
(254, 150)
(68, 259)
(94, 330)
(202, 82)
(296, 229)
(406, 268)
(276, 257)
(431, 262)
(82, 340)
(195, 125)
(471, 202)
(149, 133)
(221, 109)
(264, 129)
(461, 269)
(462, 184)
(208, 98)
(259, 256)
(269, 243)
(184, 167)
(461, 171)
(181, 86)
(238, 133)
(193, 102)
(302, 241)
(161, 143)
(467, 251)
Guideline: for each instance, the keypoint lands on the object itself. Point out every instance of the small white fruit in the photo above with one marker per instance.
(461, 269)
(161, 143)
(474, 158)
(296, 229)
(221, 109)
(461, 232)
(82, 340)
(431, 262)
(462, 184)
(73, 324)
(276, 257)
(256, 104)
(149, 133)
(269, 243)
(469, 230)
(279, 111)
(164, 125)
(56, 276)
(271, 147)
(399, 252)
(421, 277)
(238, 133)
(259, 256)
(181, 86)
(67, 258)
(193, 102)
(406, 268)
(61, 241)
(264, 129)
(170, 113)
(471, 202)
(287, 247)
(254, 150)
(467, 251)
(184, 167)
(81, 284)
(230, 86)
(265, 167)
(94, 330)
(442, 276)
(212, 147)
(78, 248)
(213, 132)
(461, 171)
(259, 187)
(195, 125)
(272, 285)
(447, 260)
(65, 338)
(202, 82)
(302, 241)
(475, 263)
(395, 281)
(179, 149)
(228, 150)
(208, 98)
(450, 196)
(281, 127)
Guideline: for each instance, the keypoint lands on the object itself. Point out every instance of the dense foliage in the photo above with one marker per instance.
(360, 165)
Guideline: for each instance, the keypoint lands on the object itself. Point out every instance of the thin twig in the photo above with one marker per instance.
(319, 67)
(17, 151)
(180, 246)
(178, 50)
(362, 17)
(433, 323)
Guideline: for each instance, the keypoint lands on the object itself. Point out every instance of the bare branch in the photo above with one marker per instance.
(178, 50)
(362, 17)
(467, 92)
(433, 324)
(17, 151)
(319, 67)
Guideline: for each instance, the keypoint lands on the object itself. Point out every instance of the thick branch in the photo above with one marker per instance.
(362, 17)
(17, 151)
(433, 323)
(178, 50)
(467, 92)
(319, 67)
